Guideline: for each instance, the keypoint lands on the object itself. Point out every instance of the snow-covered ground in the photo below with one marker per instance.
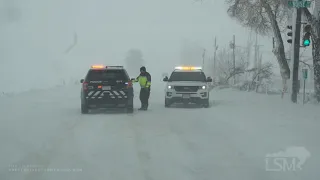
(229, 140)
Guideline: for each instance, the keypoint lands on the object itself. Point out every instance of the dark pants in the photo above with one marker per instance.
(144, 97)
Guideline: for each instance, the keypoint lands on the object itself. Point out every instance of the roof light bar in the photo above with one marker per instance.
(100, 66)
(97, 66)
(115, 67)
(188, 68)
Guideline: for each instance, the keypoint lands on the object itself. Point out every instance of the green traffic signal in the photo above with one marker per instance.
(307, 35)
(306, 42)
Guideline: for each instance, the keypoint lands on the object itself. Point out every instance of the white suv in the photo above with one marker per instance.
(187, 85)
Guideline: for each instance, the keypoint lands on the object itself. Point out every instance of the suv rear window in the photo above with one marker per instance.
(187, 76)
(101, 75)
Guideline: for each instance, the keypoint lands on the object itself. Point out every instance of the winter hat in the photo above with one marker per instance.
(143, 68)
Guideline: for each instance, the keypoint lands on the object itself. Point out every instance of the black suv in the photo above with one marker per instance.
(106, 87)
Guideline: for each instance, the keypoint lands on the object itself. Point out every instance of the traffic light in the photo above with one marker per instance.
(289, 34)
(306, 36)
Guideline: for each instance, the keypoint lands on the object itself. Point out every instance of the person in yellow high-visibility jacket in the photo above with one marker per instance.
(144, 80)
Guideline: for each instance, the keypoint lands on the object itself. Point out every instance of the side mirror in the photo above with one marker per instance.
(209, 79)
(82, 80)
(165, 79)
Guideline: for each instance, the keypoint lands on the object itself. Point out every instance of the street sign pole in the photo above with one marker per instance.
(304, 90)
(305, 76)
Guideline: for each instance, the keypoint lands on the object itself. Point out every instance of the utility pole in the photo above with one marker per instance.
(234, 58)
(256, 57)
(296, 53)
(249, 45)
(214, 57)
(255, 52)
(257, 61)
(259, 68)
(203, 55)
(233, 47)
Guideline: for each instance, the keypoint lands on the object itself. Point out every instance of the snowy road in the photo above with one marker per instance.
(228, 141)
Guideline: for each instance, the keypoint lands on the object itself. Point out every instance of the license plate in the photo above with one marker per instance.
(186, 96)
(106, 87)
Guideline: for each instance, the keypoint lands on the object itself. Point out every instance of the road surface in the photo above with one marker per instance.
(44, 133)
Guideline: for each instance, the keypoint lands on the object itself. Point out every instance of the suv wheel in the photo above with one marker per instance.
(130, 110)
(206, 103)
(130, 106)
(166, 103)
(84, 109)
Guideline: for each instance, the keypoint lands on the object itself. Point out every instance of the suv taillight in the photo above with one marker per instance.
(85, 86)
(129, 84)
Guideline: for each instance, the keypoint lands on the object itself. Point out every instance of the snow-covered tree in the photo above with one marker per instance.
(260, 75)
(315, 36)
(264, 16)
(256, 76)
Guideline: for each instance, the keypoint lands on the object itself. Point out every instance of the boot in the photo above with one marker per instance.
(142, 107)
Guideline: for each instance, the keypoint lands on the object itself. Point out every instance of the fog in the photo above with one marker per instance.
(36, 33)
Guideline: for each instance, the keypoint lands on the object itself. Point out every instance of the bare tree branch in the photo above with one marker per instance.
(309, 65)
(225, 64)
(75, 41)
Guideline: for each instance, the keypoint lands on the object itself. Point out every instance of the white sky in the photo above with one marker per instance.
(106, 30)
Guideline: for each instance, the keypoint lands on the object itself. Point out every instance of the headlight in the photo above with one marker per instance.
(204, 87)
(169, 87)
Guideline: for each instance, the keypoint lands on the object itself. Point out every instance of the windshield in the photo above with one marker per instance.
(100, 75)
(187, 76)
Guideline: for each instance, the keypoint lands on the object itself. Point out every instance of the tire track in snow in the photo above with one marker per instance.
(158, 149)
(181, 128)
(142, 154)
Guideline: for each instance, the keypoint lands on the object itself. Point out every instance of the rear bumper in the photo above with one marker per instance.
(109, 103)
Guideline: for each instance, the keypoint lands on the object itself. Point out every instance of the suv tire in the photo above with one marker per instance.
(166, 103)
(84, 109)
(206, 103)
(130, 110)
